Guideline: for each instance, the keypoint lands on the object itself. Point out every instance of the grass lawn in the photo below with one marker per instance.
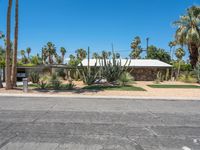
(30, 85)
(174, 86)
(114, 88)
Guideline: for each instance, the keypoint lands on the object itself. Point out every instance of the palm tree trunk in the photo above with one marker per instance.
(193, 54)
(14, 67)
(179, 66)
(8, 47)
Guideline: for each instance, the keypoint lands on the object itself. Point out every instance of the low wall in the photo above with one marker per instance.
(147, 74)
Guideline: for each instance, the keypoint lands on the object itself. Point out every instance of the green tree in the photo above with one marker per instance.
(188, 32)
(22, 52)
(63, 52)
(180, 53)
(158, 53)
(49, 51)
(136, 48)
(28, 51)
(81, 53)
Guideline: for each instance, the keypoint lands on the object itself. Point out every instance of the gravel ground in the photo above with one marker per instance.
(150, 92)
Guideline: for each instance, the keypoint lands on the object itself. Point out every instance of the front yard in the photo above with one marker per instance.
(139, 89)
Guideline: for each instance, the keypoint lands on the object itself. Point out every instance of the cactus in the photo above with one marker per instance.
(88, 74)
(112, 68)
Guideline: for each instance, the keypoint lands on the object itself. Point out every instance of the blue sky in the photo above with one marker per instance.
(96, 23)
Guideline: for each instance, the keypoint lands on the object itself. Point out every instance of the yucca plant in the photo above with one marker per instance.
(55, 81)
(113, 68)
(125, 79)
(35, 77)
(88, 73)
(43, 82)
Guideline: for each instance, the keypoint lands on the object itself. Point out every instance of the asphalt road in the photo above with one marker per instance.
(98, 124)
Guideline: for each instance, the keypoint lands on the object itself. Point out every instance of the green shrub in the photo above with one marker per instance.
(55, 81)
(188, 77)
(158, 78)
(197, 71)
(113, 68)
(35, 77)
(61, 73)
(43, 82)
(125, 79)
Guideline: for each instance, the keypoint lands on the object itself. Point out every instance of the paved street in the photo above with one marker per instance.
(98, 124)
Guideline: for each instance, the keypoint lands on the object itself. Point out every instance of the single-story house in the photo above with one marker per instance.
(141, 69)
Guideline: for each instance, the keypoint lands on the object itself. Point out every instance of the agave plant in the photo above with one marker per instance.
(112, 68)
(125, 78)
(89, 74)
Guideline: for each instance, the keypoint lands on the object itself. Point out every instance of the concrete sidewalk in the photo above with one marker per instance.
(98, 97)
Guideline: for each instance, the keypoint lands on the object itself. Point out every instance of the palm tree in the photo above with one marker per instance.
(22, 52)
(136, 48)
(44, 55)
(51, 49)
(81, 53)
(188, 32)
(180, 53)
(28, 51)
(95, 55)
(8, 47)
(63, 52)
(14, 66)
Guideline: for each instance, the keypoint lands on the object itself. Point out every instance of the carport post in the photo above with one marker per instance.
(25, 85)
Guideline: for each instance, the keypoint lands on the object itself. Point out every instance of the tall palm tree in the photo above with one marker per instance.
(180, 53)
(44, 55)
(8, 47)
(14, 66)
(81, 53)
(51, 49)
(63, 52)
(22, 52)
(28, 51)
(136, 48)
(188, 32)
(95, 55)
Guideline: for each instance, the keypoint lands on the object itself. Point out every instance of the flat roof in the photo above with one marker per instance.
(133, 62)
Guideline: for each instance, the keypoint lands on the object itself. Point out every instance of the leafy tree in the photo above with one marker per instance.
(136, 48)
(63, 52)
(28, 51)
(49, 51)
(95, 56)
(81, 54)
(157, 53)
(188, 32)
(22, 52)
(180, 53)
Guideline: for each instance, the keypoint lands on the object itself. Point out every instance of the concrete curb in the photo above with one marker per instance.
(100, 97)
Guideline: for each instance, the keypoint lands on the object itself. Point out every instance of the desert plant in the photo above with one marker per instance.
(113, 68)
(125, 79)
(88, 74)
(43, 82)
(61, 73)
(188, 77)
(35, 77)
(197, 71)
(55, 82)
(158, 78)
(69, 86)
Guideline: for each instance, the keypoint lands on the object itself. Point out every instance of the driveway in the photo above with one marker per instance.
(28, 123)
